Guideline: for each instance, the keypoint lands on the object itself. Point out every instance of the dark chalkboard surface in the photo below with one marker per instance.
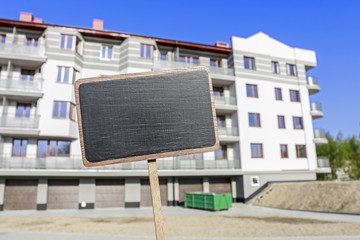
(143, 116)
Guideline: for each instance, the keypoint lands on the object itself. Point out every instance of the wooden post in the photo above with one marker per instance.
(156, 200)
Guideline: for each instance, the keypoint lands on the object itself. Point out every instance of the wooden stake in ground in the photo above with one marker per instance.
(156, 200)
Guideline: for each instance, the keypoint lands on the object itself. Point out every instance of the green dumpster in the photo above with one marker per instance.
(208, 201)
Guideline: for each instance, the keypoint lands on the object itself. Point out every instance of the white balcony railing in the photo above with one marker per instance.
(316, 106)
(34, 85)
(15, 122)
(319, 133)
(225, 100)
(22, 49)
(227, 131)
(323, 162)
(76, 163)
(176, 65)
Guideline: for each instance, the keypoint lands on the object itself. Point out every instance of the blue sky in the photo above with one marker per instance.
(331, 28)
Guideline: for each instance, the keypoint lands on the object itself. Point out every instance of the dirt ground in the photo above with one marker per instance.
(318, 196)
(185, 226)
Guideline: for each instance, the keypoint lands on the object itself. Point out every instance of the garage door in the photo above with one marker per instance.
(20, 194)
(220, 185)
(109, 193)
(62, 194)
(189, 185)
(145, 200)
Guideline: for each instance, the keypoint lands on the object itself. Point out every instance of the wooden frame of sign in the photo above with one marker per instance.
(154, 74)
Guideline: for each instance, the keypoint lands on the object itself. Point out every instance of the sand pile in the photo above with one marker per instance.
(318, 196)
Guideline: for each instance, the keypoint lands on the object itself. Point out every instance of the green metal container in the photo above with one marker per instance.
(208, 201)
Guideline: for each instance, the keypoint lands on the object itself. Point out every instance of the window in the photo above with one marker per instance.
(32, 41)
(2, 38)
(298, 123)
(301, 151)
(215, 63)
(249, 63)
(254, 120)
(281, 121)
(61, 110)
(106, 52)
(146, 51)
(163, 56)
(294, 96)
(67, 42)
(197, 156)
(63, 75)
(291, 69)
(251, 90)
(23, 110)
(27, 75)
(218, 91)
(221, 153)
(189, 59)
(221, 121)
(278, 94)
(256, 150)
(284, 151)
(53, 148)
(19, 147)
(275, 67)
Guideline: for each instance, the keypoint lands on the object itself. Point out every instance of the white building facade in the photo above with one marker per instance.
(261, 97)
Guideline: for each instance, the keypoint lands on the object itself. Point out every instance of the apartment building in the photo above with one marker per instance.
(262, 103)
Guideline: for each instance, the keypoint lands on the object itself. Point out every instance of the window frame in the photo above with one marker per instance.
(259, 146)
(253, 90)
(220, 90)
(48, 148)
(294, 93)
(218, 63)
(278, 94)
(34, 42)
(107, 47)
(70, 107)
(283, 118)
(297, 148)
(221, 121)
(144, 45)
(162, 53)
(62, 75)
(288, 65)
(191, 156)
(224, 152)
(274, 69)
(29, 73)
(282, 153)
(189, 59)
(2, 38)
(24, 112)
(21, 147)
(257, 119)
(252, 63)
(66, 40)
(301, 122)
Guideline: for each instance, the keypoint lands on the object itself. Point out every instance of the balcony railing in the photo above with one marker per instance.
(312, 81)
(312, 85)
(225, 100)
(316, 106)
(323, 162)
(15, 122)
(34, 85)
(319, 133)
(176, 65)
(226, 131)
(21, 49)
(76, 163)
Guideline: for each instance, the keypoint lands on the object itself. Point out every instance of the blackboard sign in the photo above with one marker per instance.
(142, 116)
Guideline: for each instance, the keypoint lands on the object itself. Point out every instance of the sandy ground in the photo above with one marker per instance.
(185, 226)
(319, 196)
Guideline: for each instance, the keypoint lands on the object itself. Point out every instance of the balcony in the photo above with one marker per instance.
(75, 163)
(27, 89)
(316, 110)
(220, 76)
(225, 105)
(228, 134)
(323, 165)
(312, 85)
(14, 126)
(22, 55)
(320, 137)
